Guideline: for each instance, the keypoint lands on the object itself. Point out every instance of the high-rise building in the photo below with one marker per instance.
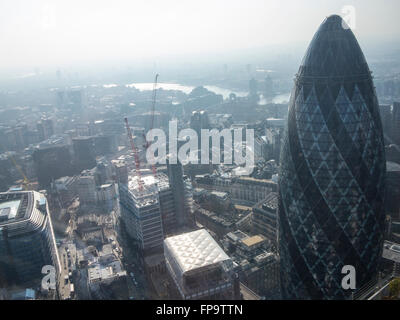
(268, 87)
(141, 212)
(27, 240)
(52, 162)
(86, 188)
(263, 219)
(253, 87)
(105, 144)
(71, 99)
(396, 123)
(181, 194)
(106, 195)
(199, 120)
(84, 153)
(332, 175)
(386, 116)
(121, 172)
(45, 129)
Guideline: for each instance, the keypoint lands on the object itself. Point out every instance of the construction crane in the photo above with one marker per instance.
(147, 144)
(153, 106)
(135, 154)
(25, 183)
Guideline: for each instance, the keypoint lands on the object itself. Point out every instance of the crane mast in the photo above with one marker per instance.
(153, 106)
(135, 154)
(147, 144)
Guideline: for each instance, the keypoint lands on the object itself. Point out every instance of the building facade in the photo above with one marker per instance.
(27, 241)
(141, 212)
(332, 175)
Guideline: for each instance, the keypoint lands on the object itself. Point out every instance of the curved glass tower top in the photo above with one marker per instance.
(334, 52)
(331, 183)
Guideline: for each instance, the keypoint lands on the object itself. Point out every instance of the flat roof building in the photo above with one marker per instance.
(199, 266)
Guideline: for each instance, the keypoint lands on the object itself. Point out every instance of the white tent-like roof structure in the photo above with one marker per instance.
(194, 250)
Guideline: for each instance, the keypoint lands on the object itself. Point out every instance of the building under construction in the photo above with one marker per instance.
(141, 212)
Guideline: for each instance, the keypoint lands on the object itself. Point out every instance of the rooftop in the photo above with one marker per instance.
(9, 209)
(391, 251)
(270, 202)
(392, 166)
(194, 250)
(251, 241)
(334, 52)
(22, 212)
(237, 235)
(149, 181)
(13, 206)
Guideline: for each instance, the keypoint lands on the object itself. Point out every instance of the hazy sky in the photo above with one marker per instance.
(55, 32)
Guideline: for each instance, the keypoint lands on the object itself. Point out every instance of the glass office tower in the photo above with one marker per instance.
(27, 241)
(331, 182)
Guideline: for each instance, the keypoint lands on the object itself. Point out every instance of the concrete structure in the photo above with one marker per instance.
(256, 265)
(387, 118)
(396, 123)
(52, 160)
(199, 120)
(141, 212)
(84, 153)
(392, 195)
(106, 195)
(87, 188)
(264, 217)
(247, 189)
(273, 138)
(214, 222)
(66, 188)
(182, 195)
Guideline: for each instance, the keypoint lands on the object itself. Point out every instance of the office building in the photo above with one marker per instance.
(141, 212)
(386, 116)
(182, 195)
(27, 240)
(86, 187)
(392, 195)
(243, 188)
(264, 220)
(256, 265)
(332, 175)
(84, 155)
(51, 162)
(396, 123)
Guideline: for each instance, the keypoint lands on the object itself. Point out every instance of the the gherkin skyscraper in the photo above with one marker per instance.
(331, 183)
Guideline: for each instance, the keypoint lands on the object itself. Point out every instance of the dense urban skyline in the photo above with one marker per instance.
(184, 150)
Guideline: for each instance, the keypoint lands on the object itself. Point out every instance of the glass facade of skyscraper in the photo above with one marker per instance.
(332, 178)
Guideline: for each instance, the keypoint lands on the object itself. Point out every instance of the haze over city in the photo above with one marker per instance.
(57, 34)
(197, 151)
